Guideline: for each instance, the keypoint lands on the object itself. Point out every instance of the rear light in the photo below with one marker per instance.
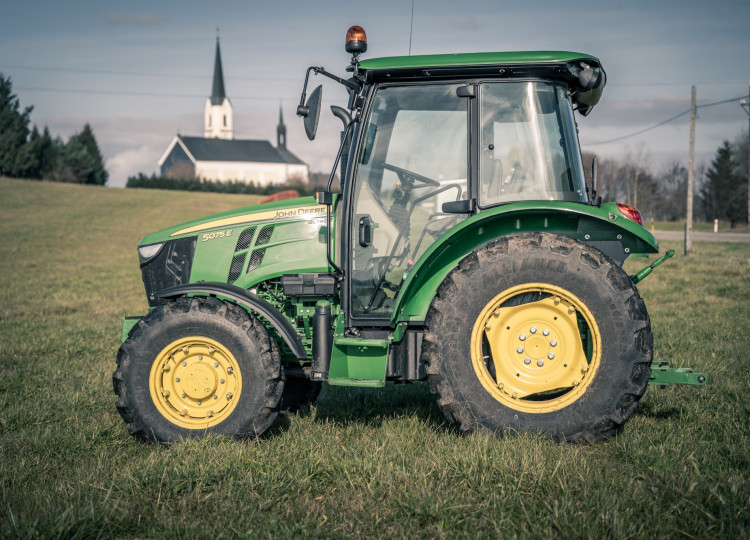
(631, 212)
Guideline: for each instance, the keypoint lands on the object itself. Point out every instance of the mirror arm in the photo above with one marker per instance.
(349, 84)
(302, 110)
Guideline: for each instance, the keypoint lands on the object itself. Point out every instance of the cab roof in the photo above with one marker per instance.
(474, 59)
(563, 66)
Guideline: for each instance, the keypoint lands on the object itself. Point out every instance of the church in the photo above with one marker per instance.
(218, 156)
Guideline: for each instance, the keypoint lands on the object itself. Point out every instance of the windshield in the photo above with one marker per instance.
(529, 147)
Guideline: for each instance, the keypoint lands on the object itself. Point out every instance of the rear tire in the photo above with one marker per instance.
(198, 366)
(538, 333)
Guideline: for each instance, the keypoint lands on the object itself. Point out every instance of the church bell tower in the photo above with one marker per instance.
(218, 116)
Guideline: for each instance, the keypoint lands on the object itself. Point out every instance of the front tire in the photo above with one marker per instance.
(197, 366)
(538, 333)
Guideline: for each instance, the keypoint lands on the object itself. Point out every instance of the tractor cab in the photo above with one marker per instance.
(433, 140)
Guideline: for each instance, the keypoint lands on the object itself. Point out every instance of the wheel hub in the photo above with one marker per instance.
(534, 350)
(195, 382)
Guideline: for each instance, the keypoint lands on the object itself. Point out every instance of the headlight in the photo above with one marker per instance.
(148, 252)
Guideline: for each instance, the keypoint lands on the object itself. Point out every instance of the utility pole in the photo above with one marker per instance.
(748, 157)
(691, 156)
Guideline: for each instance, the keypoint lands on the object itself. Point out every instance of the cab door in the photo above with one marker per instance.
(413, 159)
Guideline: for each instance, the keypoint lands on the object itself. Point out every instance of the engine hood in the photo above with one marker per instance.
(300, 209)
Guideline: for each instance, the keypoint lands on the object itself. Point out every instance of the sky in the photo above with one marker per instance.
(140, 72)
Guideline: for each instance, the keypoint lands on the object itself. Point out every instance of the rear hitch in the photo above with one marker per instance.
(663, 374)
(646, 271)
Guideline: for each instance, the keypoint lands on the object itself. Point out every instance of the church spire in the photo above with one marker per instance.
(217, 93)
(281, 131)
(218, 114)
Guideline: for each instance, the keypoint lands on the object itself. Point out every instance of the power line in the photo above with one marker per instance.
(668, 120)
(141, 94)
(142, 73)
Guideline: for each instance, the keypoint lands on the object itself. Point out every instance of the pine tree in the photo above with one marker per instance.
(95, 173)
(14, 133)
(724, 193)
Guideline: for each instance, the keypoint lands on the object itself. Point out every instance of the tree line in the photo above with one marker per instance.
(199, 184)
(27, 153)
(720, 189)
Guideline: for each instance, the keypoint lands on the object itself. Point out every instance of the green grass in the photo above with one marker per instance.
(362, 463)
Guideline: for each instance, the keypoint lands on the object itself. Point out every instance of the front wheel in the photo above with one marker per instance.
(558, 340)
(198, 366)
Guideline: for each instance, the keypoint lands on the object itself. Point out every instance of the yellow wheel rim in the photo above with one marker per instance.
(195, 382)
(539, 356)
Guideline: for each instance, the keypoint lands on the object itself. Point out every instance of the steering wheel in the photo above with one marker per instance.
(410, 177)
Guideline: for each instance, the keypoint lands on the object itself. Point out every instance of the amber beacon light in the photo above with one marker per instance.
(356, 40)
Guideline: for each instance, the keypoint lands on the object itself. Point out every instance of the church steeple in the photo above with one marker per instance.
(218, 114)
(217, 93)
(281, 131)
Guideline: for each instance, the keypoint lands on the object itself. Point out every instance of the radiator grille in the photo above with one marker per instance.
(265, 235)
(244, 240)
(236, 268)
(255, 259)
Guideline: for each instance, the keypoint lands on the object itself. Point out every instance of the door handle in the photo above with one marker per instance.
(365, 231)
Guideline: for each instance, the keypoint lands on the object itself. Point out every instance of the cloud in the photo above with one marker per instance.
(131, 162)
(117, 18)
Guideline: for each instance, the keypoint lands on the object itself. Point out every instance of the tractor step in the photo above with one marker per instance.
(662, 374)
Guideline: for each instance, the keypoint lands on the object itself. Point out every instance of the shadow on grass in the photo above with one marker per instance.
(658, 411)
(347, 406)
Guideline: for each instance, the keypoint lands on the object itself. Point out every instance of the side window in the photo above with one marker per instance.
(528, 151)
(414, 159)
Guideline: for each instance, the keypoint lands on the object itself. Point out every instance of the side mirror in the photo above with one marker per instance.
(312, 110)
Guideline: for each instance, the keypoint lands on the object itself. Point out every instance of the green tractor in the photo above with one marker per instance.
(463, 248)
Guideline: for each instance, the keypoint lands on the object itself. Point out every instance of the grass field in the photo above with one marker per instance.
(362, 463)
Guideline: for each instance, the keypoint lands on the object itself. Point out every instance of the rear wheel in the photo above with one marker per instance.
(198, 366)
(558, 340)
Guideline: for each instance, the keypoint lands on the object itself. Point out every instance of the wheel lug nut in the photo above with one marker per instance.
(519, 350)
(532, 329)
(222, 381)
(487, 325)
(184, 395)
(545, 332)
(185, 350)
(522, 337)
(229, 395)
(230, 370)
(210, 414)
(184, 363)
(200, 357)
(211, 350)
(166, 368)
(165, 393)
(216, 364)
(183, 412)
(216, 396)
(540, 363)
(527, 360)
(553, 343)
(200, 402)
(177, 379)
(584, 369)
(514, 395)
(551, 356)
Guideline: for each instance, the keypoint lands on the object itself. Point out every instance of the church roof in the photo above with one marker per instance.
(202, 149)
(217, 92)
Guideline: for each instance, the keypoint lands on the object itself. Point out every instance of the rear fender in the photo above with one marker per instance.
(248, 301)
(604, 228)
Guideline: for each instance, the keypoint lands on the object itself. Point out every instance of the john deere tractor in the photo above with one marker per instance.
(463, 247)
